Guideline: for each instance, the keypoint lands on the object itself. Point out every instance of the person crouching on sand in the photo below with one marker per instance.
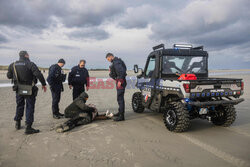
(81, 114)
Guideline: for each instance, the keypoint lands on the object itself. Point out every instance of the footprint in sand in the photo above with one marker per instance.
(108, 139)
(54, 155)
(45, 140)
(137, 165)
(127, 152)
(13, 142)
(64, 153)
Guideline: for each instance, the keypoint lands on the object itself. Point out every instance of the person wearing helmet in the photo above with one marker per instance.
(80, 113)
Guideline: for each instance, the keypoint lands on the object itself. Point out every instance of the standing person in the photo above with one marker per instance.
(118, 73)
(78, 78)
(55, 79)
(26, 73)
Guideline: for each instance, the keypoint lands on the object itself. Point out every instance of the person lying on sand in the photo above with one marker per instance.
(81, 114)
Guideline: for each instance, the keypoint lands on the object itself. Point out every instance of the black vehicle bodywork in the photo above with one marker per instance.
(161, 90)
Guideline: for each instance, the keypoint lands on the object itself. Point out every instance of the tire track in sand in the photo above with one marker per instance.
(235, 161)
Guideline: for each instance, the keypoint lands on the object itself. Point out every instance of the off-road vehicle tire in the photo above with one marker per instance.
(137, 102)
(176, 117)
(226, 117)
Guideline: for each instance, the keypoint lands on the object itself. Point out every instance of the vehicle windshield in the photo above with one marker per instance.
(184, 64)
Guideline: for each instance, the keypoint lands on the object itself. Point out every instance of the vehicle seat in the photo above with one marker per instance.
(167, 66)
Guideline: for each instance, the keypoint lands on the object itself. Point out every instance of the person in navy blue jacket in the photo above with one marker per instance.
(55, 79)
(78, 79)
(118, 71)
(27, 73)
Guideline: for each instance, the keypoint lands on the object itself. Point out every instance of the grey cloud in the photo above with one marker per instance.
(30, 14)
(40, 14)
(138, 17)
(3, 39)
(91, 13)
(229, 58)
(235, 34)
(91, 33)
(32, 17)
(66, 47)
(140, 14)
(7, 47)
(222, 26)
(207, 22)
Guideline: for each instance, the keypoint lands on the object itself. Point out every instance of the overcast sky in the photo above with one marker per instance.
(88, 29)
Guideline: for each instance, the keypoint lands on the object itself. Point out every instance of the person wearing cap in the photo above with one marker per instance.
(78, 78)
(25, 72)
(80, 114)
(55, 79)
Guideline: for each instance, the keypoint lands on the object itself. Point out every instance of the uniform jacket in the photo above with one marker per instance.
(78, 76)
(27, 72)
(119, 68)
(112, 72)
(77, 106)
(55, 77)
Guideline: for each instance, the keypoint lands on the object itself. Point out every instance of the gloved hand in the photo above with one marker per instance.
(92, 105)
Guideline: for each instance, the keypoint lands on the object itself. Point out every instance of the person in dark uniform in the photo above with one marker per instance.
(118, 73)
(78, 78)
(80, 114)
(27, 74)
(55, 79)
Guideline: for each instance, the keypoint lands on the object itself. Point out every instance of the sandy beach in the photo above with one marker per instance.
(140, 141)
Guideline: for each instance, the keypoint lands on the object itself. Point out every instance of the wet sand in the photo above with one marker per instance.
(140, 141)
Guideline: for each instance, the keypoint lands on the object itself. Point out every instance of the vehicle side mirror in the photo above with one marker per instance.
(136, 69)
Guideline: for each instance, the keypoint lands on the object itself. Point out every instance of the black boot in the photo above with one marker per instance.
(18, 125)
(56, 116)
(60, 114)
(119, 118)
(30, 130)
(62, 128)
(116, 114)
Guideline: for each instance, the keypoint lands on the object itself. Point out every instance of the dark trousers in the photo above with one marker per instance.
(30, 107)
(77, 121)
(120, 98)
(75, 113)
(77, 90)
(56, 97)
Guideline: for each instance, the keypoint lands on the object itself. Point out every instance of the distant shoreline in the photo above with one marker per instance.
(228, 70)
(4, 68)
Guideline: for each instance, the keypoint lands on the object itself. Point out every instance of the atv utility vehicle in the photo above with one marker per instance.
(176, 82)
